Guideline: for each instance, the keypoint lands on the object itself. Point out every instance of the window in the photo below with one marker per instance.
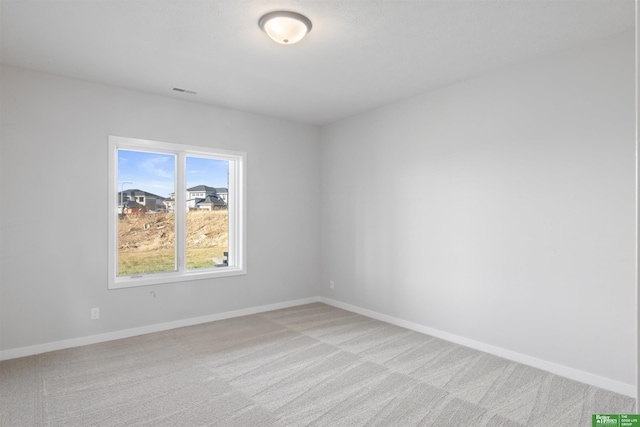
(162, 235)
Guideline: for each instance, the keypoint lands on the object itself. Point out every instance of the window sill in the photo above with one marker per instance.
(173, 277)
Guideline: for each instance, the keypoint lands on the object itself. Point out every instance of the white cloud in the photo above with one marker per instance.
(161, 166)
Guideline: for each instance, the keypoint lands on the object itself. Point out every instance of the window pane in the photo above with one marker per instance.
(207, 215)
(146, 223)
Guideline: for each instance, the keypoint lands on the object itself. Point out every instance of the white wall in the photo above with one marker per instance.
(54, 243)
(500, 210)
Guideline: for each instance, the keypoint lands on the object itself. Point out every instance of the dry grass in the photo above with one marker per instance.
(146, 243)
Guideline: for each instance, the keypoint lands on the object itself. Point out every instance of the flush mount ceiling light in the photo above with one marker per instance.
(285, 27)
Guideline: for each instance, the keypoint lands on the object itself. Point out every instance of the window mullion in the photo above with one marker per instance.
(180, 213)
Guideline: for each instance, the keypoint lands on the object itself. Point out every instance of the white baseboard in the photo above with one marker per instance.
(14, 353)
(563, 371)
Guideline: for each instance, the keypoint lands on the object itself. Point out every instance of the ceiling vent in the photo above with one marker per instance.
(178, 89)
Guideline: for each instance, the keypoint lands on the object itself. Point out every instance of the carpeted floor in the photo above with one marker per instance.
(306, 365)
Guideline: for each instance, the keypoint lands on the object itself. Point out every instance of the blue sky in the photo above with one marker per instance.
(155, 172)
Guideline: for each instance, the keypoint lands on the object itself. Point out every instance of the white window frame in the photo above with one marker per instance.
(236, 209)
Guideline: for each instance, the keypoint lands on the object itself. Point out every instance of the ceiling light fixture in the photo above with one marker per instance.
(285, 27)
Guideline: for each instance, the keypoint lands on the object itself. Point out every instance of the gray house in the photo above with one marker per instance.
(201, 197)
(211, 203)
(144, 201)
(205, 197)
(223, 193)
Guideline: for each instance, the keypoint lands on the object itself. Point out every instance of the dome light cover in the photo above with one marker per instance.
(285, 27)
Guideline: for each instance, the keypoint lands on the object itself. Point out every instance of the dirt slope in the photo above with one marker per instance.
(149, 232)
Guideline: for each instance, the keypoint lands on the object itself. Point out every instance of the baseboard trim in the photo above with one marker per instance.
(563, 371)
(128, 333)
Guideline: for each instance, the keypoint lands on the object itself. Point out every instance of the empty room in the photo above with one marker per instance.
(340, 213)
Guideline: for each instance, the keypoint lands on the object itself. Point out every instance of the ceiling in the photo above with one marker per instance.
(360, 54)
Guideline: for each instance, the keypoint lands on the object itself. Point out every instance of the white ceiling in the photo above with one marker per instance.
(360, 54)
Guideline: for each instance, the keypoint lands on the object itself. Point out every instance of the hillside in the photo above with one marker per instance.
(146, 240)
(140, 232)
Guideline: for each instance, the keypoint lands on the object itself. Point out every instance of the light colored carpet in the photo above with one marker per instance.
(307, 365)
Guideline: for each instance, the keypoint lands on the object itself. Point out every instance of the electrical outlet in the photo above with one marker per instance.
(95, 313)
(332, 284)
